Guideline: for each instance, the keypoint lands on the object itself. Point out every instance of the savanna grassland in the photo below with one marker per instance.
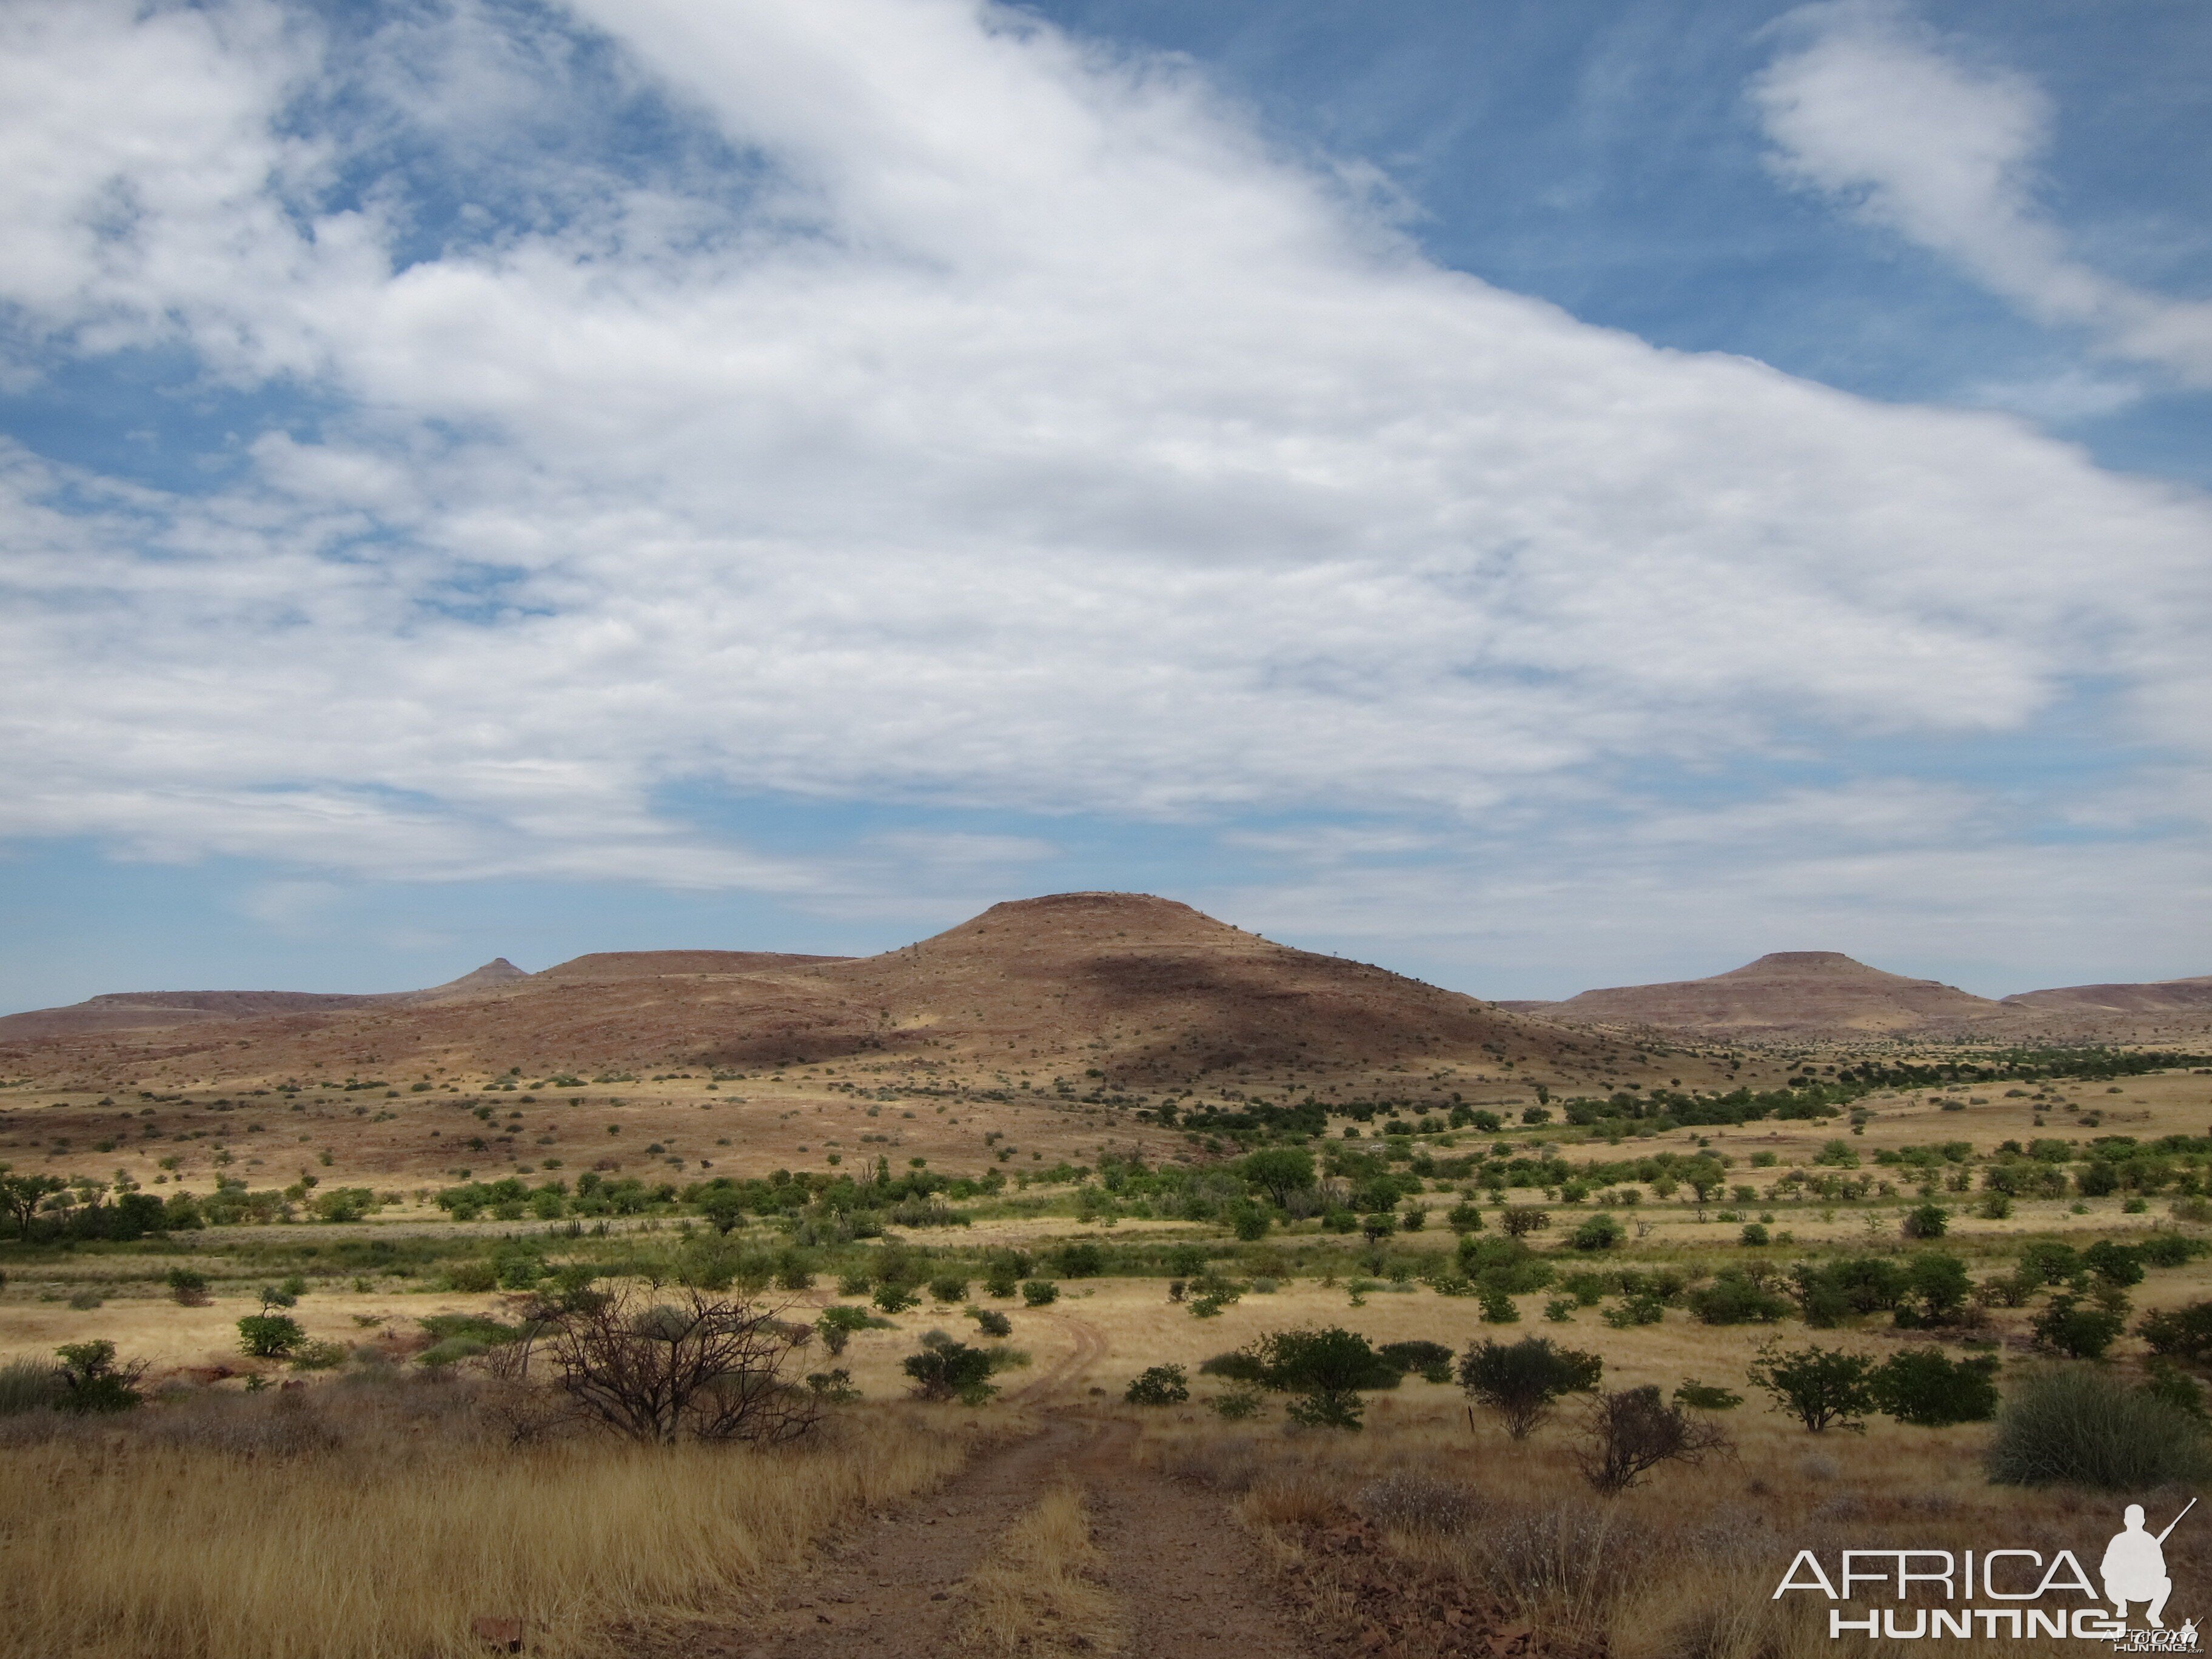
(1514, 1348)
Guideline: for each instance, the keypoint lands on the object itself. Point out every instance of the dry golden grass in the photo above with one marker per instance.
(1037, 1596)
(1681, 1567)
(237, 1529)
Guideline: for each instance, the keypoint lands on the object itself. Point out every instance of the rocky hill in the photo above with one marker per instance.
(1791, 992)
(1122, 990)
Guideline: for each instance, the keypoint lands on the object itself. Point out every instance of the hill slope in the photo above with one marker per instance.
(1786, 991)
(128, 1011)
(1142, 991)
(2165, 996)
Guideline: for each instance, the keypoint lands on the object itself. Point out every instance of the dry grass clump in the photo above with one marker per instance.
(1038, 1595)
(1421, 1514)
(1406, 1502)
(344, 1521)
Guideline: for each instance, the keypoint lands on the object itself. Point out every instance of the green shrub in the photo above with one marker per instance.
(1821, 1387)
(948, 1287)
(2183, 1332)
(1925, 1386)
(2046, 1262)
(1935, 1287)
(895, 1298)
(1755, 1233)
(1463, 1219)
(1248, 1221)
(1497, 1307)
(1430, 1361)
(1640, 1308)
(1039, 1292)
(1706, 1396)
(793, 1272)
(2114, 1263)
(188, 1287)
(1236, 1403)
(1559, 1309)
(1734, 1299)
(269, 1336)
(1158, 1385)
(1588, 1289)
(2078, 1330)
(472, 1278)
(1928, 1221)
(319, 1357)
(2072, 1423)
(1600, 1232)
(1327, 1408)
(1522, 1382)
(450, 1351)
(833, 1387)
(948, 1370)
(91, 1381)
(854, 1283)
(2163, 1380)
(2169, 1250)
(992, 1323)
(1081, 1260)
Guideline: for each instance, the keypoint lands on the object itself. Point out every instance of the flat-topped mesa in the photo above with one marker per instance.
(1122, 921)
(1781, 961)
(599, 966)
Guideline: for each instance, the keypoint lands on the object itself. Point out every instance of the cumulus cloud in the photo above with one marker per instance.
(1871, 107)
(940, 410)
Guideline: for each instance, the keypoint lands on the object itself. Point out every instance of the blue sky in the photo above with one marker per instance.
(1533, 495)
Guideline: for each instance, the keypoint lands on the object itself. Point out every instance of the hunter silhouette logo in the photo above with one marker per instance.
(2134, 1568)
(2004, 1594)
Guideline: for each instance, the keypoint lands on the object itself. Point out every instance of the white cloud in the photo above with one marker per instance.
(1001, 425)
(1871, 107)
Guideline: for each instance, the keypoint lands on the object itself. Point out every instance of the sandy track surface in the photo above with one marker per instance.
(1188, 1579)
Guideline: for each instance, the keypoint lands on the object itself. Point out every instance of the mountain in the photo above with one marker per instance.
(1122, 989)
(1785, 991)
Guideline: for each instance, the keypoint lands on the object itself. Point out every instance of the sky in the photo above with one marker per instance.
(1531, 493)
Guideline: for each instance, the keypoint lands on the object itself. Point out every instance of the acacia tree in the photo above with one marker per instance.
(22, 1194)
(708, 1368)
(1522, 1380)
(1819, 1387)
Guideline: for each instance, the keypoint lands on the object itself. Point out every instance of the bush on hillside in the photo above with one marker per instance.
(1735, 1299)
(2183, 1332)
(1158, 1385)
(1821, 1387)
(269, 1336)
(2076, 1329)
(949, 1369)
(1927, 1387)
(1522, 1382)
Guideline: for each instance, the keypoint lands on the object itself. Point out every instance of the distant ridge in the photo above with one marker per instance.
(1784, 991)
(2164, 996)
(1122, 989)
(126, 1011)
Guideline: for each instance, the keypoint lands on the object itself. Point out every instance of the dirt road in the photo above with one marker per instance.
(1189, 1583)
